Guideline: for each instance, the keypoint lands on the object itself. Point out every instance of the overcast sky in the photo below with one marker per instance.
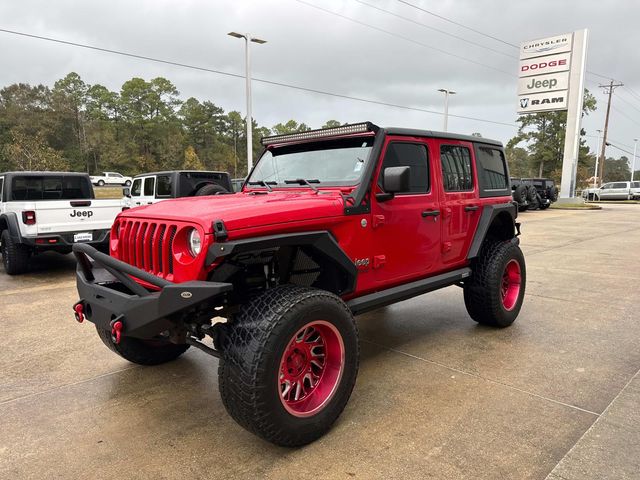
(317, 50)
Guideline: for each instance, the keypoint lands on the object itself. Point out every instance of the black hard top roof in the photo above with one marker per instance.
(414, 132)
(169, 172)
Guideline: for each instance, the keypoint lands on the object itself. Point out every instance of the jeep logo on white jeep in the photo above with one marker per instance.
(82, 214)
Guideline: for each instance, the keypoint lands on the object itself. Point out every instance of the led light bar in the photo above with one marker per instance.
(320, 133)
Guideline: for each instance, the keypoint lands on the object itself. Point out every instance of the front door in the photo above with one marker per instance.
(406, 228)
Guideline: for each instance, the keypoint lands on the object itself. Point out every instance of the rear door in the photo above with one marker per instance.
(459, 199)
(406, 228)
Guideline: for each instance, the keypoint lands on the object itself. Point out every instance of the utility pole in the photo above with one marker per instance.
(595, 172)
(608, 89)
(633, 164)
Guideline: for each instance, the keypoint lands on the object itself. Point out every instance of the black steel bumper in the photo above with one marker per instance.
(108, 294)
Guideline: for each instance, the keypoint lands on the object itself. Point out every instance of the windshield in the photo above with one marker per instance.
(335, 162)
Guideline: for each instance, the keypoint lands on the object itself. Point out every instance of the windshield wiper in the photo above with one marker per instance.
(302, 181)
(263, 184)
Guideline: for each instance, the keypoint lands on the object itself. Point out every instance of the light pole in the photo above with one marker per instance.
(595, 174)
(247, 51)
(633, 164)
(446, 104)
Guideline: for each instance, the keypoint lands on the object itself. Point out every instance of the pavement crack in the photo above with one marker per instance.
(480, 377)
(65, 385)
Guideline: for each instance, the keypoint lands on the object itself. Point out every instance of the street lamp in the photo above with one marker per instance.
(247, 50)
(633, 165)
(446, 104)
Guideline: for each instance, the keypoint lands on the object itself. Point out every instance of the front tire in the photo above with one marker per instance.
(289, 364)
(101, 183)
(15, 257)
(494, 293)
(142, 352)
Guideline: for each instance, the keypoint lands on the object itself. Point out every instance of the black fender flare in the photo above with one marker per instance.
(320, 243)
(10, 219)
(489, 214)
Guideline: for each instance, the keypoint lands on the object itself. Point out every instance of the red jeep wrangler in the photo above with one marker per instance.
(329, 224)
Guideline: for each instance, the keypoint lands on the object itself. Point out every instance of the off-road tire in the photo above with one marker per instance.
(532, 193)
(15, 257)
(127, 183)
(553, 193)
(211, 189)
(520, 194)
(252, 347)
(152, 352)
(482, 292)
(101, 183)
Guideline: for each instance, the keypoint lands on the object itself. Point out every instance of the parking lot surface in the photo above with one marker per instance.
(438, 396)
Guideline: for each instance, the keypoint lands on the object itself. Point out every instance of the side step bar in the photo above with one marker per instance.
(404, 292)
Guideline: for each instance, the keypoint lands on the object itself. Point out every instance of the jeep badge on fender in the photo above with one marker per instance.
(276, 273)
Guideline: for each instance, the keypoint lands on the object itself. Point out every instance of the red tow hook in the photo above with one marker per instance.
(78, 311)
(116, 331)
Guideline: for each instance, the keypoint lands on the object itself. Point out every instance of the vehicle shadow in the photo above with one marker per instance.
(49, 262)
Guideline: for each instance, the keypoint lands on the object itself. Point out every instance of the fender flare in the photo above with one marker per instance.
(11, 221)
(321, 244)
(489, 213)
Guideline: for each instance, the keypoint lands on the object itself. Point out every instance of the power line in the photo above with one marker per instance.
(402, 37)
(458, 24)
(235, 75)
(625, 115)
(434, 29)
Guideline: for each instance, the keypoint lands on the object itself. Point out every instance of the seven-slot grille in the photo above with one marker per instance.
(147, 245)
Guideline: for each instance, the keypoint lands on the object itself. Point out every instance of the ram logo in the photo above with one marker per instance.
(524, 102)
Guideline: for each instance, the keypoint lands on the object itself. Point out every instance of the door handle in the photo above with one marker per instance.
(430, 213)
(471, 208)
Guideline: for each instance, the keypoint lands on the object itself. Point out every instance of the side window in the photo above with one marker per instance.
(117, 175)
(149, 186)
(607, 186)
(410, 155)
(136, 188)
(456, 168)
(620, 185)
(164, 186)
(492, 170)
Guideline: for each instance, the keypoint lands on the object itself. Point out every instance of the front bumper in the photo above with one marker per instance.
(108, 294)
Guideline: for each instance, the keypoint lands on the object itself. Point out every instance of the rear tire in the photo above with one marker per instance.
(494, 293)
(520, 194)
(143, 352)
(15, 256)
(289, 364)
(101, 183)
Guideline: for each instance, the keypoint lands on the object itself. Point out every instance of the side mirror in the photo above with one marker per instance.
(126, 191)
(394, 180)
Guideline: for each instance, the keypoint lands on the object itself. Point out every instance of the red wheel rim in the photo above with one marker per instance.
(510, 288)
(311, 368)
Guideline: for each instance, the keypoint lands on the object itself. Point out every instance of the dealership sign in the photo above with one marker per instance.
(551, 78)
(543, 75)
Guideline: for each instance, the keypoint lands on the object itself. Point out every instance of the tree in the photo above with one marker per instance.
(544, 134)
(290, 127)
(331, 124)
(617, 170)
(31, 152)
(191, 160)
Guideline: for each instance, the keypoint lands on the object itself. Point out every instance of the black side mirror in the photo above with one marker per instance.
(126, 191)
(394, 180)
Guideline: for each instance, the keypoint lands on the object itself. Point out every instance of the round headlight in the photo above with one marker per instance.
(195, 242)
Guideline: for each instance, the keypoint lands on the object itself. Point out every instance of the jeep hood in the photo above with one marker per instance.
(244, 210)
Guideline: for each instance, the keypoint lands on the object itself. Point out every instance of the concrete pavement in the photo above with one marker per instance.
(437, 396)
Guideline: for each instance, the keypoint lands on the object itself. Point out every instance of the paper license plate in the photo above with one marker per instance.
(82, 237)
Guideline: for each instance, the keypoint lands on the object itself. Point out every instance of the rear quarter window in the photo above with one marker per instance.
(493, 174)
